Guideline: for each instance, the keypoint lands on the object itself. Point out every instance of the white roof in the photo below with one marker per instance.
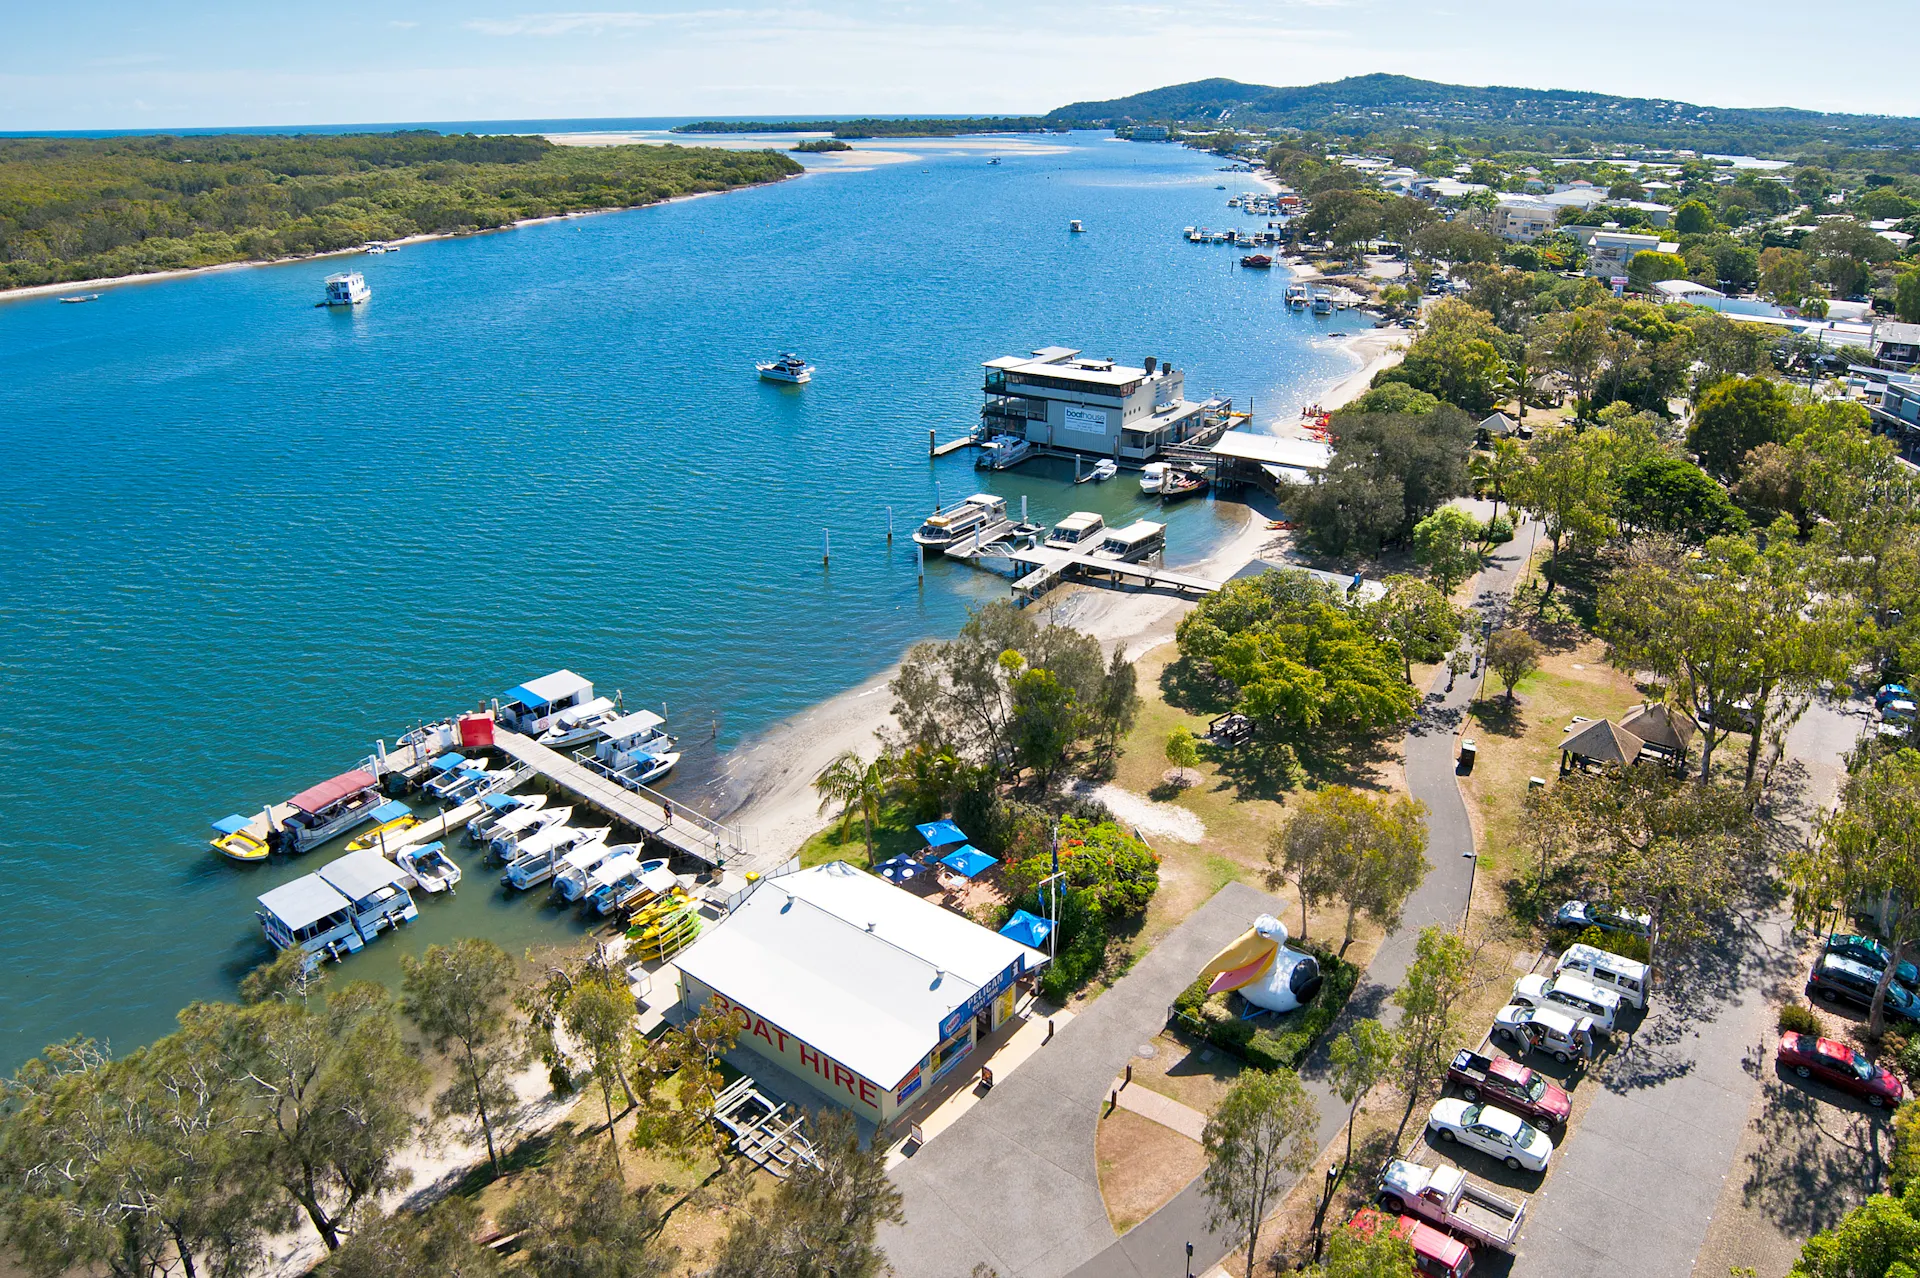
(851, 965)
(614, 870)
(557, 835)
(556, 686)
(639, 723)
(585, 710)
(1685, 288)
(1300, 454)
(307, 899)
(359, 875)
(586, 856)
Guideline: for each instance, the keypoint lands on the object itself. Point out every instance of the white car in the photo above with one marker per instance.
(1493, 1132)
(1571, 991)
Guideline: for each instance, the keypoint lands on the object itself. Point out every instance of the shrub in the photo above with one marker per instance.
(1497, 531)
(1903, 1168)
(1270, 1042)
(1625, 944)
(1795, 1019)
(1909, 1060)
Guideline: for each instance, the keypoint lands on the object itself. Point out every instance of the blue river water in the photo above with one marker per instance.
(245, 537)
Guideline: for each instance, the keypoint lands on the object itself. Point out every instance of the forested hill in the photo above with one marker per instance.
(1371, 102)
(83, 208)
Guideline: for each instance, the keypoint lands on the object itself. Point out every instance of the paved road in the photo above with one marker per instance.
(1013, 1182)
(1655, 1147)
(1157, 1245)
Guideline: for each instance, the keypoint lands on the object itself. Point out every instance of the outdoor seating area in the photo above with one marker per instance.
(1653, 730)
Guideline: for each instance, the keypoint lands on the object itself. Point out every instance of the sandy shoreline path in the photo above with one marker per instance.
(767, 782)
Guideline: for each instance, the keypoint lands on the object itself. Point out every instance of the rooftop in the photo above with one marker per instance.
(307, 899)
(1301, 454)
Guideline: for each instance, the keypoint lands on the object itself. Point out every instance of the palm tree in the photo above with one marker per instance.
(854, 783)
(1494, 470)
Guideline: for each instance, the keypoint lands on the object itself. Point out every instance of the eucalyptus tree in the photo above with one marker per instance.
(461, 997)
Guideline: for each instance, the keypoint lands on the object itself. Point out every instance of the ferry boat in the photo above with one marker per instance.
(579, 724)
(349, 288)
(789, 368)
(432, 869)
(331, 808)
(1297, 296)
(1076, 528)
(1002, 451)
(531, 707)
(636, 750)
(1103, 470)
(241, 838)
(1139, 540)
(959, 522)
(1152, 475)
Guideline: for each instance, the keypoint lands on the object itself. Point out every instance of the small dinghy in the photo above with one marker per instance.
(432, 869)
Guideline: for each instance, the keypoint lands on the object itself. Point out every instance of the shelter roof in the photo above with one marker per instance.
(307, 899)
(330, 792)
(1660, 724)
(1301, 454)
(548, 689)
(1603, 741)
(358, 875)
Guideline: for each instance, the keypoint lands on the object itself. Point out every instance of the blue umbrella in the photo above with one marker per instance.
(939, 834)
(899, 869)
(968, 861)
(1029, 929)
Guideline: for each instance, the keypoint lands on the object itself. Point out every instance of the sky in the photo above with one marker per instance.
(102, 64)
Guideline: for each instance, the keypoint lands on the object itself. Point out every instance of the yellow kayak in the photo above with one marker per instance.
(661, 924)
(654, 909)
(684, 928)
(236, 839)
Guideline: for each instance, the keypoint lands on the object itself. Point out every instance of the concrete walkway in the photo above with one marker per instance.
(1013, 1182)
(1164, 1110)
(1157, 1245)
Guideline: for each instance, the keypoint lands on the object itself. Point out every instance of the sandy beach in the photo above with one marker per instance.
(766, 785)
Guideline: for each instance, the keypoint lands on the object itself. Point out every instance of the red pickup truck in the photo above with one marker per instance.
(1510, 1085)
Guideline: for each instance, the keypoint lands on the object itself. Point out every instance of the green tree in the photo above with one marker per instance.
(1446, 543)
(1439, 976)
(1494, 470)
(1046, 722)
(588, 999)
(857, 785)
(1260, 1137)
(579, 1220)
(1118, 702)
(1868, 849)
(1183, 752)
(1417, 618)
(1458, 357)
(1648, 268)
(1512, 654)
(1878, 1239)
(461, 998)
(1737, 416)
(1670, 495)
(1577, 343)
(1357, 1062)
(824, 1219)
(441, 1243)
(1906, 295)
(1360, 1251)
(1368, 853)
(332, 1094)
(1693, 218)
(1387, 472)
(1568, 488)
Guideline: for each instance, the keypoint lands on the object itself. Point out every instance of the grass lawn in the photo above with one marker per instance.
(1141, 1165)
(893, 834)
(1189, 1070)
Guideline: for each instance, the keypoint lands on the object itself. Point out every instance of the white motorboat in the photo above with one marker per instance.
(616, 879)
(468, 783)
(516, 829)
(579, 723)
(957, 524)
(636, 751)
(1152, 476)
(572, 872)
(349, 288)
(1002, 451)
(531, 707)
(496, 808)
(789, 368)
(1076, 528)
(432, 869)
(1322, 301)
(1103, 470)
(1297, 297)
(539, 853)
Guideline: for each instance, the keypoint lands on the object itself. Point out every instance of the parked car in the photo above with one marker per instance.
(1891, 692)
(1545, 1029)
(1841, 980)
(1510, 1085)
(1571, 991)
(1435, 1254)
(1492, 1131)
(1624, 976)
(1838, 1065)
(1589, 914)
(1447, 1197)
(1868, 952)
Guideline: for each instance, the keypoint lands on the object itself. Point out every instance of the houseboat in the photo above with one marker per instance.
(581, 724)
(1002, 451)
(1080, 526)
(530, 708)
(789, 368)
(325, 810)
(375, 889)
(349, 288)
(636, 750)
(957, 524)
(309, 914)
(1139, 540)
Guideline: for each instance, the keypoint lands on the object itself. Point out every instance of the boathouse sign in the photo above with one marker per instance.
(950, 1024)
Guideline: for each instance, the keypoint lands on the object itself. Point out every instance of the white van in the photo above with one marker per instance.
(1623, 976)
(1573, 992)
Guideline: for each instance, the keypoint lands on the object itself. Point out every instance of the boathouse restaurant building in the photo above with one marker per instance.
(861, 988)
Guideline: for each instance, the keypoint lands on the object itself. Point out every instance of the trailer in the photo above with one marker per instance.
(1449, 1198)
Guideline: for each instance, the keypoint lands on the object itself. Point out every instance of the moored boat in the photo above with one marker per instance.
(392, 817)
(1259, 260)
(1002, 451)
(1181, 484)
(516, 828)
(432, 869)
(1152, 475)
(1076, 528)
(241, 838)
(957, 524)
(531, 707)
(1103, 470)
(323, 811)
(540, 854)
(349, 288)
(1297, 296)
(573, 870)
(579, 723)
(77, 298)
(496, 807)
(789, 368)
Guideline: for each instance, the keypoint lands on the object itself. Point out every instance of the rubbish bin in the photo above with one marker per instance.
(1466, 756)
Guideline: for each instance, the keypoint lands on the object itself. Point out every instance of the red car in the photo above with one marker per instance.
(1435, 1254)
(1839, 1066)
(1510, 1086)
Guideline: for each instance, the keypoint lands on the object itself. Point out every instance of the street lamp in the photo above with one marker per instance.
(1472, 856)
(1334, 1172)
(1189, 1260)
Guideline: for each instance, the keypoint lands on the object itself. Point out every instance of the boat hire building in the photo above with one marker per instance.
(1062, 403)
(860, 988)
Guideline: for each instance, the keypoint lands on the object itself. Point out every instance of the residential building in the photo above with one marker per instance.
(1895, 345)
(1609, 249)
(1524, 218)
(1894, 408)
(1061, 402)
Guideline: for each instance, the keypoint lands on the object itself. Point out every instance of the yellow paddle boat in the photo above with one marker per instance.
(678, 931)
(237, 838)
(392, 817)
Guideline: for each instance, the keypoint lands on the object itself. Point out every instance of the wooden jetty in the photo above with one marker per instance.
(452, 819)
(685, 831)
(937, 449)
(1047, 568)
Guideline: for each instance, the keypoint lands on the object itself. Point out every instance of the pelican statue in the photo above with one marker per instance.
(1260, 966)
